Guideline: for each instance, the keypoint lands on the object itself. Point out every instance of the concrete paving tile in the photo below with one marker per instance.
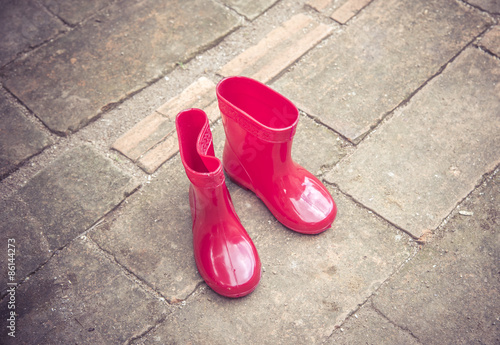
(491, 41)
(278, 50)
(144, 135)
(74, 11)
(430, 155)
(68, 82)
(309, 283)
(24, 24)
(492, 6)
(250, 9)
(350, 83)
(152, 235)
(81, 297)
(448, 294)
(367, 326)
(315, 147)
(349, 10)
(58, 204)
(19, 137)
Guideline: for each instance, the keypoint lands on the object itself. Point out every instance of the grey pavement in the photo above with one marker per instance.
(400, 118)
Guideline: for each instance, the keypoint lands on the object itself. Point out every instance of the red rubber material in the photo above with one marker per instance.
(260, 124)
(224, 253)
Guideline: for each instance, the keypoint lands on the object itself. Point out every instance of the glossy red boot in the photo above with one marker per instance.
(224, 253)
(260, 124)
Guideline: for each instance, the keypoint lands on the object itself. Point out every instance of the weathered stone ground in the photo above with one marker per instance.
(400, 117)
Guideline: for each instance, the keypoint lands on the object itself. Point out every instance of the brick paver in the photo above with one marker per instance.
(153, 140)
(421, 163)
(19, 137)
(449, 293)
(350, 83)
(81, 297)
(250, 9)
(326, 6)
(24, 24)
(58, 204)
(349, 10)
(279, 49)
(69, 81)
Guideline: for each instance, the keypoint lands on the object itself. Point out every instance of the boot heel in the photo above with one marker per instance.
(234, 170)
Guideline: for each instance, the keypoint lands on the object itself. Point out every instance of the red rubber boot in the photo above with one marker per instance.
(260, 124)
(224, 253)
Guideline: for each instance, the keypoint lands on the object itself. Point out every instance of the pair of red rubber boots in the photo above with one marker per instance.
(259, 124)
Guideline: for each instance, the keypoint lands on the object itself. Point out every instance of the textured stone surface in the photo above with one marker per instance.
(19, 137)
(24, 24)
(366, 326)
(58, 204)
(69, 81)
(326, 6)
(74, 11)
(430, 155)
(278, 50)
(349, 10)
(492, 6)
(449, 293)
(151, 235)
(81, 297)
(350, 83)
(153, 139)
(309, 284)
(491, 41)
(250, 9)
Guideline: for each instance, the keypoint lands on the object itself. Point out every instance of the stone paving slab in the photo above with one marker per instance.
(309, 284)
(416, 168)
(491, 41)
(278, 50)
(250, 9)
(449, 294)
(68, 82)
(75, 11)
(492, 6)
(58, 204)
(81, 297)
(366, 326)
(350, 83)
(24, 24)
(19, 137)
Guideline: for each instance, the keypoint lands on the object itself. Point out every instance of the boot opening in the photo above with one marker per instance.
(189, 126)
(258, 101)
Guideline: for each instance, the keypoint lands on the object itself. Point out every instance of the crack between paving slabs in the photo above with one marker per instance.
(480, 182)
(405, 329)
(358, 203)
(390, 114)
(374, 293)
(140, 283)
(476, 7)
(56, 251)
(487, 51)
